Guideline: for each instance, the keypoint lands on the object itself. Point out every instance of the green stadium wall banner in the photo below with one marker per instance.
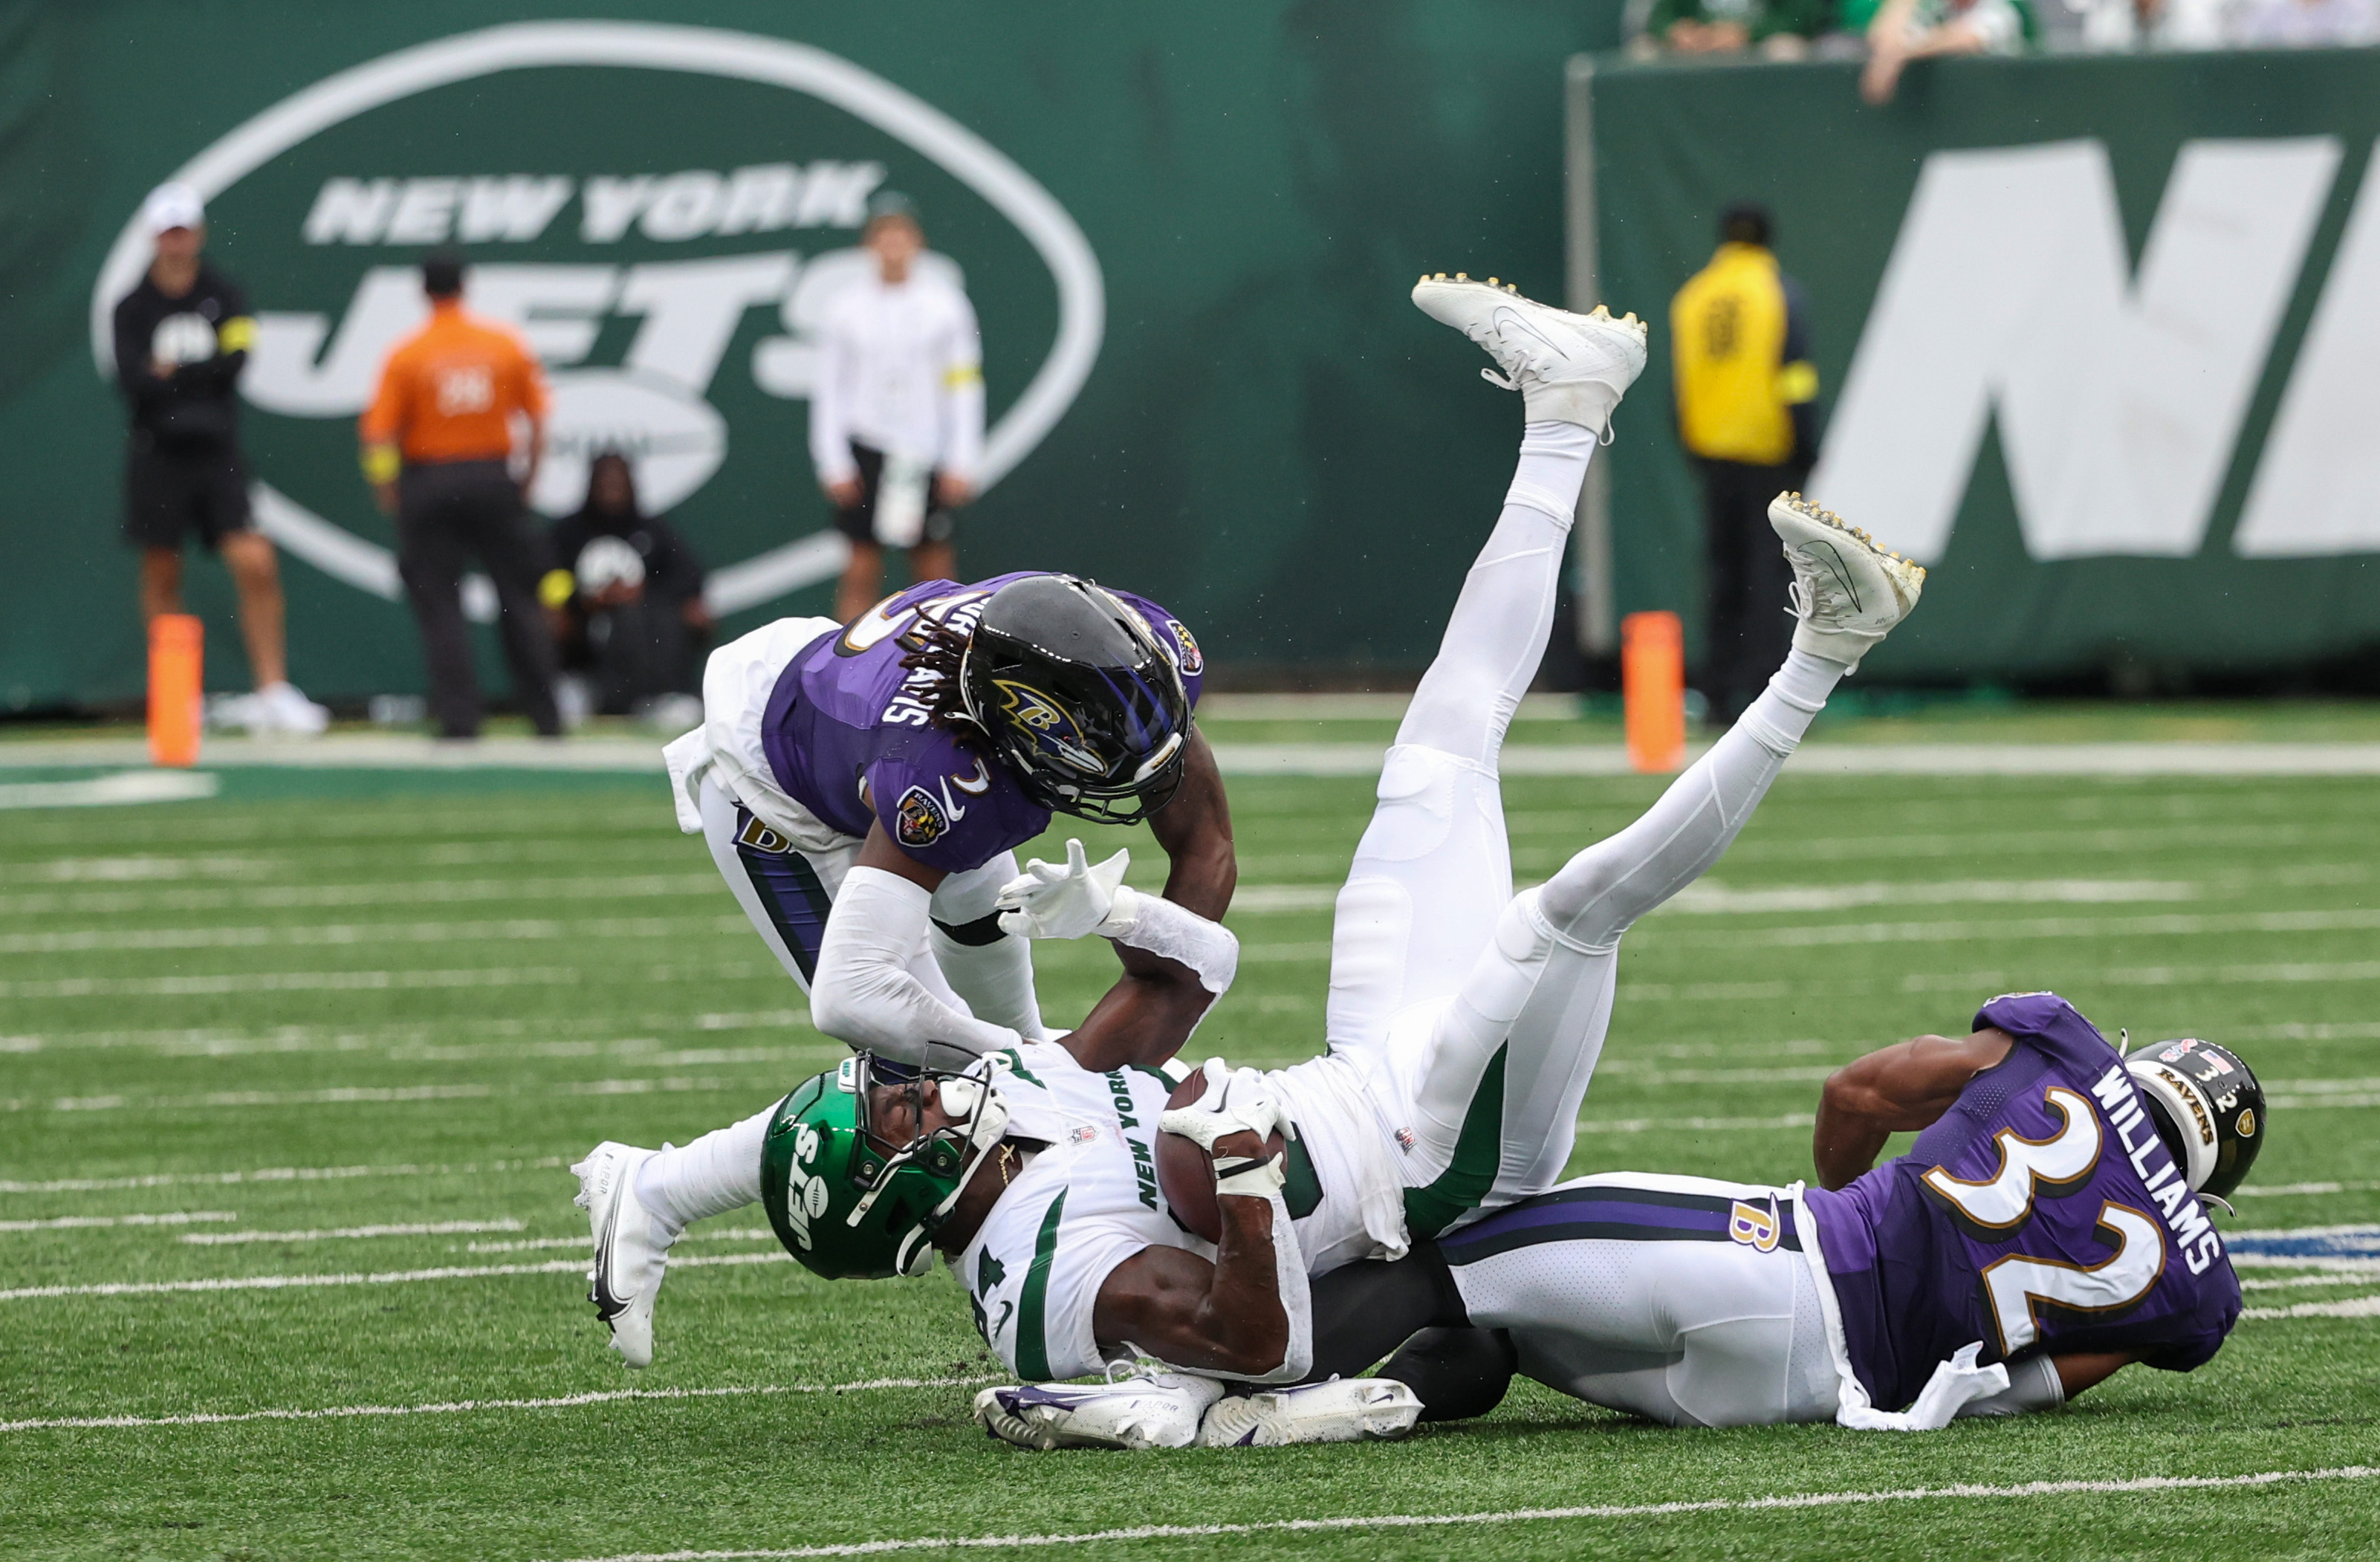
(1188, 234)
(2099, 339)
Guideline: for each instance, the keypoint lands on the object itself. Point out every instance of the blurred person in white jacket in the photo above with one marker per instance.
(896, 415)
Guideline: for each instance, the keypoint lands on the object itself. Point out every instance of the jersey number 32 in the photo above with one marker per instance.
(1997, 1208)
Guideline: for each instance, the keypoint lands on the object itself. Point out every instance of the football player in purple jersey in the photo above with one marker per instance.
(863, 788)
(2046, 1230)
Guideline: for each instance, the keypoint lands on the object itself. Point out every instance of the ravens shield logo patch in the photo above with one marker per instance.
(920, 819)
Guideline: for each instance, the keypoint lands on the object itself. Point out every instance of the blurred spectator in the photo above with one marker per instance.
(626, 596)
(2263, 24)
(1902, 31)
(181, 339)
(1780, 29)
(1747, 412)
(897, 415)
(2105, 25)
(437, 444)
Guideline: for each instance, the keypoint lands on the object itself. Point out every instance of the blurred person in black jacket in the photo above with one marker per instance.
(625, 593)
(181, 339)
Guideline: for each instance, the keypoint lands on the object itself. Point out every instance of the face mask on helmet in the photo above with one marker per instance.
(856, 1180)
(2207, 1107)
(1078, 697)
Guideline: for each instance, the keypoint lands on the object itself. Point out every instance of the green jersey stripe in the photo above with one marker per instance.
(1478, 1149)
(1032, 1336)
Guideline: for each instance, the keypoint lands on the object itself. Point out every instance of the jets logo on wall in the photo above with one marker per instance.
(664, 213)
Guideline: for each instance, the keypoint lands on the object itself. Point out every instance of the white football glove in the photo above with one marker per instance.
(1050, 901)
(1234, 1100)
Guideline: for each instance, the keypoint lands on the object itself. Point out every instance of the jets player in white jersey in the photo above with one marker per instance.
(1463, 1021)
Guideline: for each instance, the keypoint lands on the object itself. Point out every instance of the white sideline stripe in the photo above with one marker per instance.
(429, 891)
(1518, 1515)
(1863, 760)
(394, 1278)
(102, 792)
(2297, 1282)
(2296, 1189)
(78, 1222)
(467, 1407)
(1709, 897)
(276, 1174)
(417, 1228)
(2353, 1307)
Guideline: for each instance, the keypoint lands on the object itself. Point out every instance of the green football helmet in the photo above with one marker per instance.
(849, 1205)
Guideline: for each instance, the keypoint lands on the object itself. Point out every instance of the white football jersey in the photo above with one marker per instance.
(1078, 1209)
(1090, 1201)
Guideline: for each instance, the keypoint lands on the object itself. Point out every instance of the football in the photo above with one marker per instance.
(1185, 1174)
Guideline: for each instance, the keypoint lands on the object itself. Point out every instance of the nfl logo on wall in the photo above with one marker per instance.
(663, 213)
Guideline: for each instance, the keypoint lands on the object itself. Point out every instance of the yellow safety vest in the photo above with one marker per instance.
(1727, 333)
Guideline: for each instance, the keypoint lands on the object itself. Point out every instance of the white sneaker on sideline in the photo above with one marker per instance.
(1569, 368)
(631, 1247)
(1847, 590)
(1351, 1409)
(1150, 1409)
(279, 707)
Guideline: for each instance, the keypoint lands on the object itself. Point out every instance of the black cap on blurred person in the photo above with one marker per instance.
(442, 273)
(1744, 223)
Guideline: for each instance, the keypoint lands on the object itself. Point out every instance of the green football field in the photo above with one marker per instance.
(289, 1080)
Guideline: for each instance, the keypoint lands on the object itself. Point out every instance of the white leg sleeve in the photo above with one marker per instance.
(992, 971)
(1434, 868)
(866, 993)
(1602, 890)
(719, 1172)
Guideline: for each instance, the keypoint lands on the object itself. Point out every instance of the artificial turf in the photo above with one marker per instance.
(329, 1001)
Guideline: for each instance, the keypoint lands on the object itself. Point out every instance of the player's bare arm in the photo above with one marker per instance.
(1897, 1089)
(1224, 1316)
(1195, 832)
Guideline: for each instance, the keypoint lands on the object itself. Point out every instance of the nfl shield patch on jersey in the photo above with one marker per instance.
(920, 819)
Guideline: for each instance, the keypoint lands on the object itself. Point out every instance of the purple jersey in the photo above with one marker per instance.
(846, 733)
(2042, 1213)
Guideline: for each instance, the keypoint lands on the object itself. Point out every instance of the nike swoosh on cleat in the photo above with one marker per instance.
(1842, 572)
(1512, 320)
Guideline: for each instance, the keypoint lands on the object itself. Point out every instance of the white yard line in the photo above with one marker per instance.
(2353, 1307)
(277, 1174)
(344, 1233)
(214, 986)
(468, 1407)
(393, 1277)
(85, 940)
(376, 1095)
(1651, 1125)
(2172, 924)
(732, 1234)
(82, 1222)
(1787, 1501)
(433, 892)
(102, 792)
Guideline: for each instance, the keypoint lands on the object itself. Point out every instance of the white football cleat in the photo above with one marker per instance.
(1152, 1408)
(279, 707)
(1351, 1409)
(631, 1248)
(1569, 368)
(1847, 590)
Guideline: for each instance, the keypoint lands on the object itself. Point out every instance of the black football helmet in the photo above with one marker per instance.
(2208, 1109)
(1078, 698)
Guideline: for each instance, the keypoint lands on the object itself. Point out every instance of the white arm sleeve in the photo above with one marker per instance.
(1152, 923)
(961, 382)
(2033, 1385)
(990, 969)
(863, 992)
(830, 416)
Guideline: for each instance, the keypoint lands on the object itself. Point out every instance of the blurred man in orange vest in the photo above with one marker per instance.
(438, 440)
(1747, 411)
